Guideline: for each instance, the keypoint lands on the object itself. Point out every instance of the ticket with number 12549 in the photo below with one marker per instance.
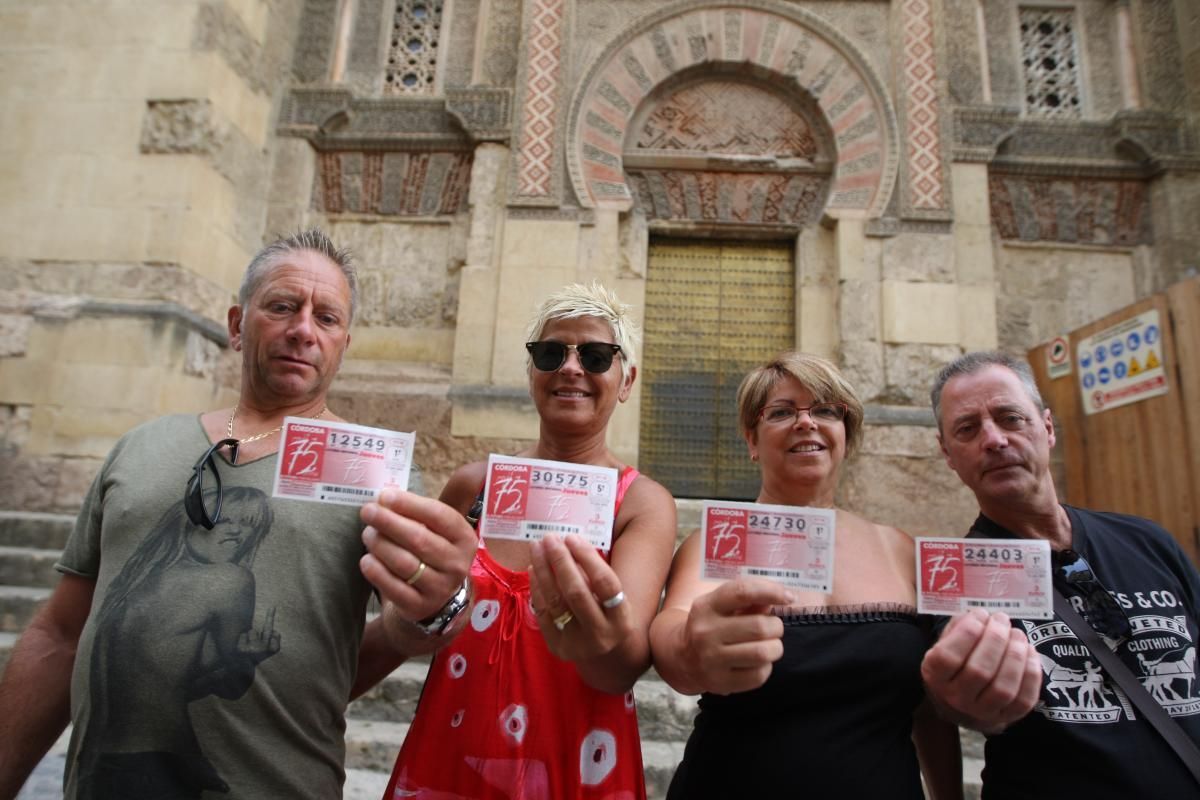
(789, 544)
(526, 498)
(1009, 575)
(336, 462)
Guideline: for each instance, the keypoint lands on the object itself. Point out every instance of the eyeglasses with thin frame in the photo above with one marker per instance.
(1104, 613)
(595, 357)
(193, 496)
(790, 415)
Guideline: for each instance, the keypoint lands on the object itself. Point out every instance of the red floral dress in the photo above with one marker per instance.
(502, 717)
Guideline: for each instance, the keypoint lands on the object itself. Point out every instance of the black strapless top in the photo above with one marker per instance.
(833, 720)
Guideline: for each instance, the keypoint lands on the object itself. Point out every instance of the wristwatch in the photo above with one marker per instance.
(445, 617)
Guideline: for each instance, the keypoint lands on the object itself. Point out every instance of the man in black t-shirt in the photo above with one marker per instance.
(1057, 725)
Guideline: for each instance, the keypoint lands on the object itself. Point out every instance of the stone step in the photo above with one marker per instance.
(28, 566)
(33, 529)
(371, 747)
(663, 713)
(17, 605)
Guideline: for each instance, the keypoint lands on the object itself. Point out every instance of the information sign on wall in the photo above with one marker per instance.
(1122, 364)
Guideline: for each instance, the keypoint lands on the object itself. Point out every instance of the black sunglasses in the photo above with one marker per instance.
(1104, 613)
(193, 496)
(595, 357)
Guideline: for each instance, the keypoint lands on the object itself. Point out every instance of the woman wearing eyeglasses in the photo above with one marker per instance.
(534, 697)
(805, 694)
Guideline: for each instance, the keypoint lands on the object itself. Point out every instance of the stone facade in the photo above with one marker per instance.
(938, 187)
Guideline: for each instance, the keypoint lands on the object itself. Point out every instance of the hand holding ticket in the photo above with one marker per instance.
(526, 498)
(1009, 575)
(336, 462)
(792, 545)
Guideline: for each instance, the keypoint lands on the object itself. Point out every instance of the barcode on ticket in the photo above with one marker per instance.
(994, 603)
(774, 573)
(351, 491)
(550, 527)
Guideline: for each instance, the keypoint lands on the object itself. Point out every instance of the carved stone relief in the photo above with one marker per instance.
(1077, 210)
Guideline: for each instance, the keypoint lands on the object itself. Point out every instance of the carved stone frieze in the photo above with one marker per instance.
(741, 197)
(1132, 144)
(392, 184)
(334, 118)
(1077, 210)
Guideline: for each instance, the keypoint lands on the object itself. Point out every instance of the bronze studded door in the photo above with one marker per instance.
(713, 311)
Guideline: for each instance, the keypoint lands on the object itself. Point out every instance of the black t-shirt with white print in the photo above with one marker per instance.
(1084, 738)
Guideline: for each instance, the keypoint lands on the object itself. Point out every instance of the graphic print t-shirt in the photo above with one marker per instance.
(213, 664)
(1084, 738)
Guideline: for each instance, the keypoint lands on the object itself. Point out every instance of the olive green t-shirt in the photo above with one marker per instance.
(218, 663)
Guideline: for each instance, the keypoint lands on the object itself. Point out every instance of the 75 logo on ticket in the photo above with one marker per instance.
(526, 498)
(1009, 575)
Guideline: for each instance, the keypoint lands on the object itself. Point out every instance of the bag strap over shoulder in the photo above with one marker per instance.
(1146, 705)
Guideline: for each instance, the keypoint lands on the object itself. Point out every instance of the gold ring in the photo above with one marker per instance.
(416, 576)
(563, 619)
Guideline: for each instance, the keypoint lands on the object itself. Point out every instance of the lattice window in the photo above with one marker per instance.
(412, 55)
(1050, 58)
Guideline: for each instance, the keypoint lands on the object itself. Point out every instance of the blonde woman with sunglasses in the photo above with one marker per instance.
(805, 694)
(534, 697)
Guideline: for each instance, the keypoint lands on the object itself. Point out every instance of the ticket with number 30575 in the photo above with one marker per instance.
(526, 498)
(789, 544)
(1009, 575)
(336, 462)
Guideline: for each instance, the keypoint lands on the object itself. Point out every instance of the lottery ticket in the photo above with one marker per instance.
(789, 544)
(1009, 575)
(336, 462)
(526, 498)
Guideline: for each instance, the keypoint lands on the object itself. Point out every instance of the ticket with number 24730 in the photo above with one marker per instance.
(1009, 575)
(789, 544)
(526, 498)
(336, 462)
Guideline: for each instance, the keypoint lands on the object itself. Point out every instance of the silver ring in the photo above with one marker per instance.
(614, 601)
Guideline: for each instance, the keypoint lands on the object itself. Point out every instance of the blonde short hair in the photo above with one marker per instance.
(591, 300)
(818, 375)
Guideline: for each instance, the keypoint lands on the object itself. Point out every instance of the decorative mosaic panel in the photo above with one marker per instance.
(393, 184)
(539, 112)
(1050, 62)
(925, 176)
(1081, 210)
(412, 51)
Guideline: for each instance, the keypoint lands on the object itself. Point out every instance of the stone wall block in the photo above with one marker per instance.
(919, 495)
(919, 312)
(908, 441)
(14, 429)
(179, 126)
(859, 304)
(862, 364)
(974, 258)
(14, 334)
(977, 317)
(919, 257)
(533, 243)
(910, 369)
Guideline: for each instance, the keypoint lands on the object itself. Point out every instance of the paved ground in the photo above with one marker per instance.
(46, 781)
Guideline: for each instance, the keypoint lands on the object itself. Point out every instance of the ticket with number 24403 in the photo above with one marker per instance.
(1009, 575)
